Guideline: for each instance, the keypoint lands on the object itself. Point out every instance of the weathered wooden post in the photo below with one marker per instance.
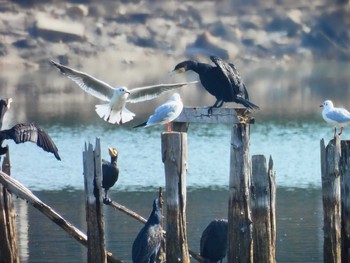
(240, 241)
(330, 157)
(94, 205)
(174, 155)
(8, 242)
(262, 194)
(345, 199)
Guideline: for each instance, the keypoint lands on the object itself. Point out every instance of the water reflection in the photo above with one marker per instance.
(299, 226)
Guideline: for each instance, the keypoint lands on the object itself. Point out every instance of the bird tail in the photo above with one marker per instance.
(114, 116)
(247, 103)
(141, 125)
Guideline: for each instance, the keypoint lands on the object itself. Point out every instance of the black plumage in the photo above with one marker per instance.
(110, 172)
(213, 244)
(222, 81)
(29, 132)
(148, 241)
(25, 132)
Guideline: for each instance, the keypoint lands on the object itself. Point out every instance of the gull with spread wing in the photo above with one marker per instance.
(115, 111)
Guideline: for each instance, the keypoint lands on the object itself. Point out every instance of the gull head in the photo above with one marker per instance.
(327, 105)
(122, 91)
(175, 97)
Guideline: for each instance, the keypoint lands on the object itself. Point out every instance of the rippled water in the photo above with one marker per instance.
(293, 145)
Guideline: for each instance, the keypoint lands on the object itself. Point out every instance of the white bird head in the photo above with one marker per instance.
(175, 97)
(121, 91)
(327, 105)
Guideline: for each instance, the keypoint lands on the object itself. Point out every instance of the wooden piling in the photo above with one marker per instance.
(345, 199)
(330, 157)
(94, 205)
(240, 243)
(8, 243)
(262, 209)
(174, 156)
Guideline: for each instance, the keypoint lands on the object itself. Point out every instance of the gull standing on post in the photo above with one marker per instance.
(165, 113)
(115, 111)
(338, 117)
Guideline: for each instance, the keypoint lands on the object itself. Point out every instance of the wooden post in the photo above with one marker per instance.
(94, 205)
(239, 214)
(8, 243)
(345, 199)
(261, 211)
(330, 157)
(21, 191)
(272, 180)
(174, 155)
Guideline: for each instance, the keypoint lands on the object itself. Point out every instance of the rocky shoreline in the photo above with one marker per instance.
(127, 32)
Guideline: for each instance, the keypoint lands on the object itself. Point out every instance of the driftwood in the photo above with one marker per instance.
(21, 191)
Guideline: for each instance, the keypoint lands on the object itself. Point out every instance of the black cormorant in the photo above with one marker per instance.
(110, 172)
(213, 246)
(25, 132)
(222, 81)
(147, 243)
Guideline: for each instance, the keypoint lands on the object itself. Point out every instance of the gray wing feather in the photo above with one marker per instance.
(339, 115)
(151, 92)
(91, 85)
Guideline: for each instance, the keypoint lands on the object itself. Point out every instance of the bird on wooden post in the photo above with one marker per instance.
(110, 173)
(213, 244)
(222, 81)
(25, 132)
(165, 113)
(337, 117)
(148, 241)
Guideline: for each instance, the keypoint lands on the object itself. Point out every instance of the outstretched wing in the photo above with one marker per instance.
(91, 85)
(25, 132)
(151, 92)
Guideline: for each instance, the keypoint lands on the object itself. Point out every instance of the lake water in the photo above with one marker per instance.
(288, 127)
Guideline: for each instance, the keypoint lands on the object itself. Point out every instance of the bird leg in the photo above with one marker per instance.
(106, 199)
(341, 131)
(217, 104)
(169, 127)
(335, 132)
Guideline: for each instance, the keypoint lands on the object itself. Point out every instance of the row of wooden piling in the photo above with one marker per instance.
(251, 199)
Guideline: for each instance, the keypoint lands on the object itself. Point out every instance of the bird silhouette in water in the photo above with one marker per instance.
(222, 81)
(337, 117)
(25, 132)
(115, 110)
(165, 113)
(110, 173)
(213, 244)
(148, 241)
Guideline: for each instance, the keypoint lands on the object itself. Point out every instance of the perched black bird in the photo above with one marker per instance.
(213, 245)
(147, 243)
(222, 81)
(110, 172)
(25, 132)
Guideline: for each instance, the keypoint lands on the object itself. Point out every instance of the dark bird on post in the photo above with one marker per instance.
(110, 172)
(148, 241)
(213, 245)
(25, 132)
(222, 81)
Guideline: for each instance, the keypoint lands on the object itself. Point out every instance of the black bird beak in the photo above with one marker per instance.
(321, 105)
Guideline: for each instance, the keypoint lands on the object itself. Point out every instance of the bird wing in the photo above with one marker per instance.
(25, 132)
(161, 113)
(231, 74)
(339, 115)
(151, 92)
(91, 85)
